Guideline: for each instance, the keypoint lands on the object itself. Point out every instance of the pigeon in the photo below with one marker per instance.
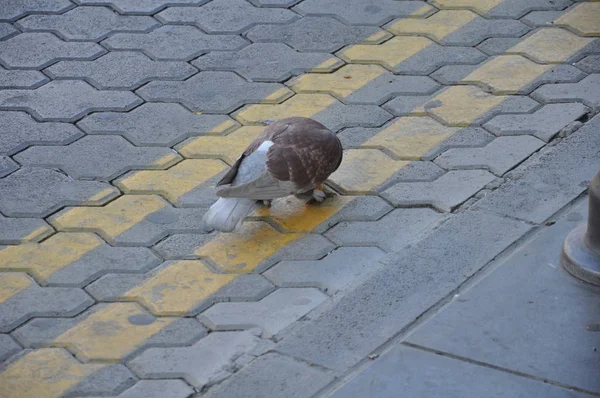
(293, 156)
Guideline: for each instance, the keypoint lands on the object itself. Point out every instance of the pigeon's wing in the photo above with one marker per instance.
(264, 187)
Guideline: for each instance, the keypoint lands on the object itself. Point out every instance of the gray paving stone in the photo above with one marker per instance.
(223, 16)
(410, 282)
(590, 64)
(169, 42)
(362, 12)
(19, 130)
(207, 362)
(182, 246)
(332, 273)
(38, 50)
(499, 156)
(141, 7)
(157, 389)
(102, 157)
(13, 231)
(586, 91)
(544, 123)
(547, 182)
(21, 79)
(497, 45)
(152, 124)
(445, 194)
(541, 18)
(212, 92)
(515, 9)
(109, 380)
(404, 105)
(274, 3)
(87, 23)
(469, 137)
(272, 314)
(8, 347)
(7, 30)
(339, 115)
(66, 100)
(311, 247)
(385, 232)
(7, 166)
(362, 208)
(121, 70)
(36, 301)
(34, 192)
(201, 196)
(15, 9)
(388, 86)
(313, 34)
(415, 171)
(265, 62)
(273, 375)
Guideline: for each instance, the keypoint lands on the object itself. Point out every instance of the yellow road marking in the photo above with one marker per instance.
(583, 19)
(482, 6)
(305, 105)
(550, 45)
(389, 54)
(12, 283)
(437, 26)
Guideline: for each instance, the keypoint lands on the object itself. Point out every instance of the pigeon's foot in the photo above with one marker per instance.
(267, 203)
(319, 195)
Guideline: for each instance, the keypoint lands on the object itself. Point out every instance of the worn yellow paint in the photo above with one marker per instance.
(306, 105)
(410, 137)
(328, 66)
(12, 283)
(174, 182)
(111, 220)
(112, 332)
(437, 26)
(38, 234)
(43, 259)
(178, 288)
(482, 6)
(584, 19)
(244, 250)
(278, 96)
(342, 82)
(363, 170)
(102, 196)
(506, 74)
(225, 127)
(228, 147)
(550, 45)
(45, 372)
(167, 161)
(377, 38)
(389, 54)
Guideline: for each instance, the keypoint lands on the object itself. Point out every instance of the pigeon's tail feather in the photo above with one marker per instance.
(228, 213)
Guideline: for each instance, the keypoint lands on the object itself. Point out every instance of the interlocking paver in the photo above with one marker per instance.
(331, 274)
(499, 156)
(21, 78)
(170, 42)
(87, 23)
(274, 3)
(544, 123)
(207, 362)
(385, 233)
(503, 9)
(8, 347)
(223, 16)
(227, 147)
(66, 100)
(214, 92)
(22, 299)
(541, 18)
(15, 9)
(111, 379)
(34, 192)
(364, 12)
(272, 314)
(38, 50)
(497, 45)
(7, 166)
(458, 27)
(550, 45)
(316, 34)
(445, 194)
(587, 91)
(7, 30)
(590, 64)
(157, 389)
(141, 7)
(102, 157)
(268, 62)
(121, 70)
(182, 246)
(583, 19)
(19, 230)
(155, 124)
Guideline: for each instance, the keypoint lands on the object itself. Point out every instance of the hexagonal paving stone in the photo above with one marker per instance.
(268, 62)
(38, 50)
(87, 23)
(7, 30)
(14, 9)
(275, 3)
(30, 79)
(590, 64)
(583, 19)
(7, 166)
(66, 100)
(174, 42)
(214, 92)
(33, 192)
(316, 34)
(141, 7)
(121, 70)
(364, 12)
(8, 347)
(14, 231)
(504, 9)
(587, 91)
(220, 16)
(157, 389)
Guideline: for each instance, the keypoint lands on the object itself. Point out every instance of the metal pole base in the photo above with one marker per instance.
(578, 259)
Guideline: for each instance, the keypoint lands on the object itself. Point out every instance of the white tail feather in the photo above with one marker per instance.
(228, 213)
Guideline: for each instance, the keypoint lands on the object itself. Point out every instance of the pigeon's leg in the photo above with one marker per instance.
(319, 194)
(267, 202)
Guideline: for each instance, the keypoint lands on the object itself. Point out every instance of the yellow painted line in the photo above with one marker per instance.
(306, 105)
(111, 220)
(46, 372)
(583, 19)
(178, 288)
(550, 45)
(111, 333)
(226, 127)
(278, 96)
(437, 26)
(482, 6)
(328, 66)
(226, 147)
(174, 182)
(377, 38)
(12, 283)
(101, 196)
(38, 234)
(167, 161)
(41, 260)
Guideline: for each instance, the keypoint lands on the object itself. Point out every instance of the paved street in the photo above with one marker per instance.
(469, 127)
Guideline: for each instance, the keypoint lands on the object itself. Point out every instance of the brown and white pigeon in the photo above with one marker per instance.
(293, 156)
